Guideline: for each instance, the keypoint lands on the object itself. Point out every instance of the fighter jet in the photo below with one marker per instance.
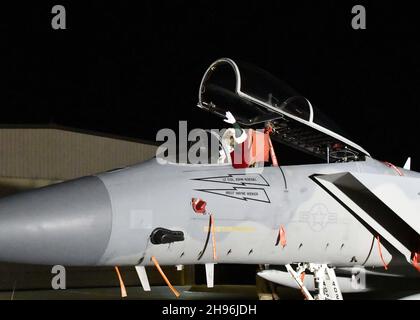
(320, 222)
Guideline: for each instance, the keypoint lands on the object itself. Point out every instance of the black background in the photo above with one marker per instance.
(131, 68)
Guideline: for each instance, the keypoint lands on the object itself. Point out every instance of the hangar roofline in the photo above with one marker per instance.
(78, 130)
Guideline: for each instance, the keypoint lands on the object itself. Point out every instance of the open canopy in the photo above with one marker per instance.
(255, 97)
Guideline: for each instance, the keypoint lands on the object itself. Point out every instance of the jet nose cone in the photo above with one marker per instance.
(67, 224)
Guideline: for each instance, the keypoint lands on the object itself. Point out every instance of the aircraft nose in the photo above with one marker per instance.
(67, 223)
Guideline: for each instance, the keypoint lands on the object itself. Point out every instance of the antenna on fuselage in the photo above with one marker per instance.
(407, 165)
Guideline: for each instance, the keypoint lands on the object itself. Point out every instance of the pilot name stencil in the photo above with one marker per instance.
(238, 193)
(241, 191)
(238, 179)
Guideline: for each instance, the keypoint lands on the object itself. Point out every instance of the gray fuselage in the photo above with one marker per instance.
(108, 219)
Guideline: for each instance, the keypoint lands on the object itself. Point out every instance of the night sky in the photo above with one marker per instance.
(131, 69)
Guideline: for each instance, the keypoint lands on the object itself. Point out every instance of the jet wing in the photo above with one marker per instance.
(387, 205)
(256, 97)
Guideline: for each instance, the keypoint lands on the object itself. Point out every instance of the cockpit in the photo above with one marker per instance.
(256, 98)
(258, 101)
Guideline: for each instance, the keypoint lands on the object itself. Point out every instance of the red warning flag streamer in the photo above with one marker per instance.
(213, 237)
(281, 237)
(282, 233)
(416, 263)
(122, 286)
(302, 276)
(380, 253)
(175, 292)
(395, 168)
(273, 153)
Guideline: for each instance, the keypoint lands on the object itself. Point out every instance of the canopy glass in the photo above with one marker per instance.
(255, 97)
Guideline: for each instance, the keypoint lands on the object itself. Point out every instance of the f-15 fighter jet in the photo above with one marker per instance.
(350, 212)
